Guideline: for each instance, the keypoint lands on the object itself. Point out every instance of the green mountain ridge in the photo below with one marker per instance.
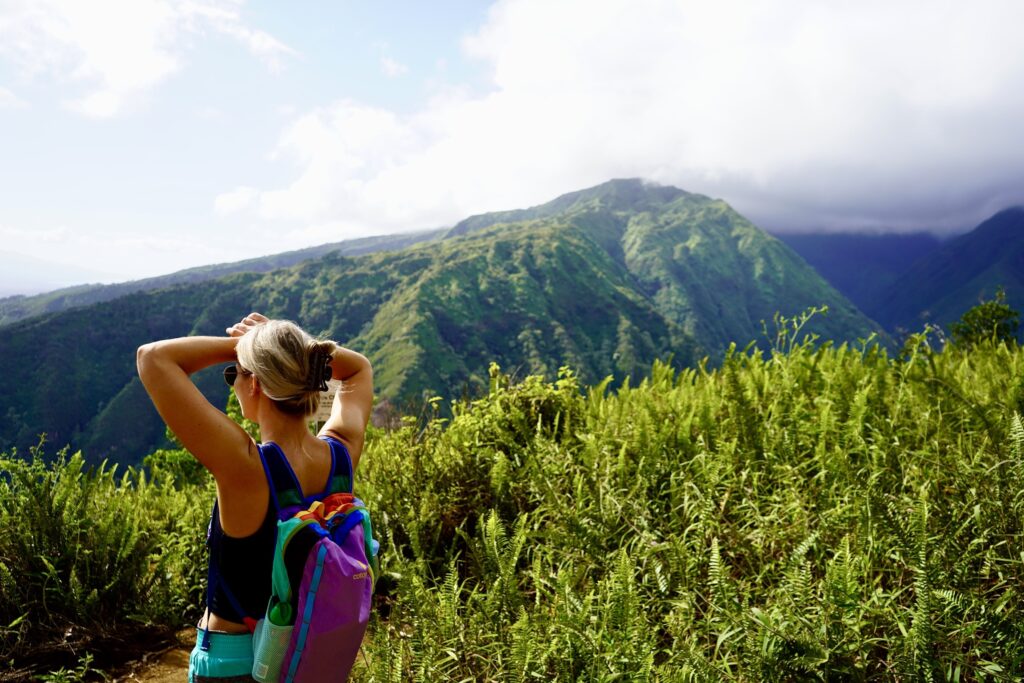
(605, 280)
(19, 307)
(947, 282)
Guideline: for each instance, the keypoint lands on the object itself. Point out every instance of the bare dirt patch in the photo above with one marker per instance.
(169, 665)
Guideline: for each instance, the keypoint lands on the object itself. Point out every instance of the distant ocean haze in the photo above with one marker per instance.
(21, 274)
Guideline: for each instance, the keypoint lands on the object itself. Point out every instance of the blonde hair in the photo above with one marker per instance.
(279, 353)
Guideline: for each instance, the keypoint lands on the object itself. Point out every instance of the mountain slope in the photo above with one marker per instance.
(15, 308)
(605, 281)
(431, 320)
(942, 286)
(707, 268)
(719, 276)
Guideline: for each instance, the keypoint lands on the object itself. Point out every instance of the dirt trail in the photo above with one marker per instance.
(167, 666)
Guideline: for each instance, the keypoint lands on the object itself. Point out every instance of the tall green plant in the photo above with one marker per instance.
(88, 553)
(990, 319)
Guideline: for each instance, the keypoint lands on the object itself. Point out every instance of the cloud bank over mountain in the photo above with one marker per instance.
(857, 116)
(160, 135)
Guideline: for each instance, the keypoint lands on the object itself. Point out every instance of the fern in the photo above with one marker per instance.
(822, 513)
(1017, 437)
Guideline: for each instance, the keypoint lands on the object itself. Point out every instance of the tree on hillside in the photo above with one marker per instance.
(992, 319)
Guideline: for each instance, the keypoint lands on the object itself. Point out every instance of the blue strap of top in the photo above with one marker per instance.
(286, 492)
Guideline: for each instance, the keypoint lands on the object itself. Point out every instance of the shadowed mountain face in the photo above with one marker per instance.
(944, 284)
(861, 265)
(604, 280)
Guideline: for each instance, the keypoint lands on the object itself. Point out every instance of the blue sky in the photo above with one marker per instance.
(139, 137)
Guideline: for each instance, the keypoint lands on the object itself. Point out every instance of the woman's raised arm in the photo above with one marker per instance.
(350, 412)
(210, 435)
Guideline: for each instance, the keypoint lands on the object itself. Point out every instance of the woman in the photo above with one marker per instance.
(277, 374)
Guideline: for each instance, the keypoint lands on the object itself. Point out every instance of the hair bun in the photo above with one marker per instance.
(319, 369)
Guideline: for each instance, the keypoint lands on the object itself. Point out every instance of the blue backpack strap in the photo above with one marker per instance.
(270, 479)
(348, 523)
(248, 619)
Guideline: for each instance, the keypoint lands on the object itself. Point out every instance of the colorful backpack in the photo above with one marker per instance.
(325, 563)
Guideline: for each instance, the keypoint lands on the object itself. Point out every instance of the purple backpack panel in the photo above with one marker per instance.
(333, 611)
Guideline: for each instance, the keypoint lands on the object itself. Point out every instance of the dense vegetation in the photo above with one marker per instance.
(95, 562)
(606, 281)
(989, 320)
(804, 513)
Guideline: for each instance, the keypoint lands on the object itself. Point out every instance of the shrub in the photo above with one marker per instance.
(992, 319)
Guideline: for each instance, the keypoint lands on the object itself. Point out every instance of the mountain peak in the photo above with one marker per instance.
(1011, 219)
(620, 194)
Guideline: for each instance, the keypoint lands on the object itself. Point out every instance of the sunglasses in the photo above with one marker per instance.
(231, 373)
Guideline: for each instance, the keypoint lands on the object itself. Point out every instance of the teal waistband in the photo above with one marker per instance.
(227, 644)
(229, 654)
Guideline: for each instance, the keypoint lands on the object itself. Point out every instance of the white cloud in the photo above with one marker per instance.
(907, 115)
(225, 17)
(340, 152)
(116, 50)
(236, 200)
(8, 100)
(157, 244)
(392, 68)
(78, 254)
(208, 113)
(321, 233)
(26, 275)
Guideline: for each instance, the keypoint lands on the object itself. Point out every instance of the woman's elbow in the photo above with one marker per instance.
(366, 369)
(144, 358)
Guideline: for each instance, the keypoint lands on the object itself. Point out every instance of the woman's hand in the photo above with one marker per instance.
(245, 324)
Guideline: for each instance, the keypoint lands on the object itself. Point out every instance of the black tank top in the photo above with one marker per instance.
(239, 574)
